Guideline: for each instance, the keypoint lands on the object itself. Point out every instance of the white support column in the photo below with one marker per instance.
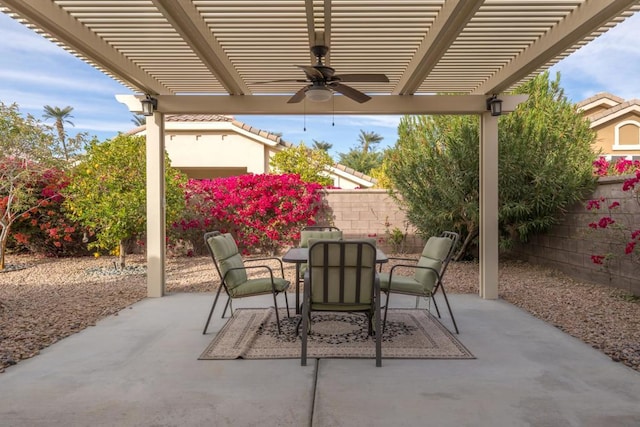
(156, 224)
(488, 206)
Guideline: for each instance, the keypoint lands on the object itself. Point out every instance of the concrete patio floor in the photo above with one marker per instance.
(140, 368)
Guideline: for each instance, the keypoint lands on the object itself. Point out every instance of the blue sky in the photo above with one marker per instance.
(35, 72)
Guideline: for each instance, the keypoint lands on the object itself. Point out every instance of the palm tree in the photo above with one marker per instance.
(139, 120)
(367, 139)
(321, 145)
(61, 116)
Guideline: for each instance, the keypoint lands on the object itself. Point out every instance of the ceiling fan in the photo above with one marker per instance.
(323, 81)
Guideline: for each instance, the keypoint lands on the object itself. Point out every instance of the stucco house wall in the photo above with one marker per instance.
(617, 124)
(214, 146)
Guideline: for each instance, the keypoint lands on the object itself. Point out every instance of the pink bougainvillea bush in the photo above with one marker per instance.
(619, 226)
(44, 228)
(263, 212)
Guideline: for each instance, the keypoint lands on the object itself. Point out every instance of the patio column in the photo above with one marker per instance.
(488, 206)
(156, 223)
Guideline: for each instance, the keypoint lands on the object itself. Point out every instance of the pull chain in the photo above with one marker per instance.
(333, 110)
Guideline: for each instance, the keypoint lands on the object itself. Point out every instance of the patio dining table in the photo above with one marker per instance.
(299, 256)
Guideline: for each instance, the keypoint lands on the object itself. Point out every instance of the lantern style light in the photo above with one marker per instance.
(149, 105)
(494, 105)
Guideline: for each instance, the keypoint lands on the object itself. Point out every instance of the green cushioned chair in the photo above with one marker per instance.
(428, 273)
(314, 232)
(233, 274)
(342, 277)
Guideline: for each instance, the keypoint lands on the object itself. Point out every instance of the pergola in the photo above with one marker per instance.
(211, 56)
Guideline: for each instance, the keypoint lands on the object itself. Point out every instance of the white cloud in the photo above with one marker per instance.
(377, 121)
(610, 63)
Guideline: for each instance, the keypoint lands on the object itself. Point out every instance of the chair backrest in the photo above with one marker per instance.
(225, 255)
(321, 228)
(436, 254)
(308, 233)
(342, 272)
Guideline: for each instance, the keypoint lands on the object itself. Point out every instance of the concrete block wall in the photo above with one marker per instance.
(568, 247)
(371, 213)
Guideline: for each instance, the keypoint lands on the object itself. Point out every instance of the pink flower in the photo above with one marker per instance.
(605, 221)
(614, 205)
(597, 259)
(629, 248)
(593, 204)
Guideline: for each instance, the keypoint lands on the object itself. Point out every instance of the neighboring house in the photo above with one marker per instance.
(205, 146)
(617, 124)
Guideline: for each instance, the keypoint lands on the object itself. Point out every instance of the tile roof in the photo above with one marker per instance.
(248, 128)
(611, 111)
(598, 96)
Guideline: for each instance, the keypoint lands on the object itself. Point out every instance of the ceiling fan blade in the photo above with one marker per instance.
(350, 92)
(298, 96)
(311, 72)
(375, 78)
(279, 81)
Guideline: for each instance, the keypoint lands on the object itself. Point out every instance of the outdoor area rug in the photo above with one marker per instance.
(410, 334)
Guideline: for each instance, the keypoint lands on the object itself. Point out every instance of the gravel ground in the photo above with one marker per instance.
(43, 300)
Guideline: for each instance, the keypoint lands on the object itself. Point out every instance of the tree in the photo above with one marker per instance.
(61, 116)
(24, 156)
(310, 164)
(361, 161)
(139, 120)
(321, 145)
(363, 157)
(368, 139)
(107, 192)
(545, 165)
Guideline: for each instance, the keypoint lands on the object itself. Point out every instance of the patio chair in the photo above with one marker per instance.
(233, 274)
(318, 232)
(429, 270)
(315, 232)
(342, 277)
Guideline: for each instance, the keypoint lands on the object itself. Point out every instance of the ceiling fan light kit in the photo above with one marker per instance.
(318, 94)
(323, 81)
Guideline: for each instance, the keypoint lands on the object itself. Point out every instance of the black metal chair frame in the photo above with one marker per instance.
(455, 237)
(373, 313)
(223, 283)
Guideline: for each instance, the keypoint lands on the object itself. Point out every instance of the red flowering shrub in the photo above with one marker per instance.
(263, 212)
(44, 229)
(622, 229)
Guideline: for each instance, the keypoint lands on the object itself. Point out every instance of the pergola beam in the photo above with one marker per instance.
(446, 28)
(72, 34)
(187, 21)
(277, 105)
(589, 17)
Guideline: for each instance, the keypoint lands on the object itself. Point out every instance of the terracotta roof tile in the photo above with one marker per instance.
(597, 96)
(614, 109)
(198, 118)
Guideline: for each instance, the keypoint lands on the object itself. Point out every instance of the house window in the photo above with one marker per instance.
(627, 136)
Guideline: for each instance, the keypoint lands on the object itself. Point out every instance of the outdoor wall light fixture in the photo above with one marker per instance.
(318, 94)
(494, 105)
(149, 105)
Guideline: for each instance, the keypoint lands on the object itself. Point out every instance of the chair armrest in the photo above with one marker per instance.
(403, 259)
(255, 267)
(437, 273)
(267, 259)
